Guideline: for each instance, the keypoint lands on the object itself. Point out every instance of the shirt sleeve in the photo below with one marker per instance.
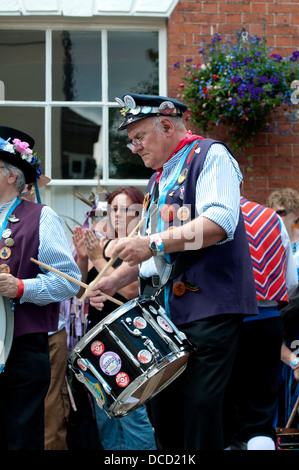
(291, 277)
(54, 251)
(218, 189)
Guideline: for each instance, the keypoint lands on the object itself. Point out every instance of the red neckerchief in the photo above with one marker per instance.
(187, 139)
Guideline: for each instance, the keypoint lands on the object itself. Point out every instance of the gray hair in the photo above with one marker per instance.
(177, 121)
(20, 182)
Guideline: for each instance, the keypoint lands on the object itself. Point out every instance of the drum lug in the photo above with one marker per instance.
(123, 347)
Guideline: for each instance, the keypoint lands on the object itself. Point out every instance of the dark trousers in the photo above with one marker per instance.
(187, 415)
(23, 387)
(252, 395)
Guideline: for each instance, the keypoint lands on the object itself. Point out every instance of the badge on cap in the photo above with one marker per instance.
(146, 109)
(166, 108)
(120, 102)
(129, 101)
(136, 110)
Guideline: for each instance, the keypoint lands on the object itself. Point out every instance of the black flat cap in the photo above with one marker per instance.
(136, 107)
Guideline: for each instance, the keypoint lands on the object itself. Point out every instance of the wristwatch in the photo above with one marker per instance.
(156, 245)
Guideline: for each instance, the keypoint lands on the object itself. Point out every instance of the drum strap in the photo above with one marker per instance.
(185, 260)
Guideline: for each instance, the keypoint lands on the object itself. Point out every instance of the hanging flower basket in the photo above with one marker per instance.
(241, 86)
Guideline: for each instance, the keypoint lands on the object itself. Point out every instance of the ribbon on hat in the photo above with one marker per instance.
(187, 139)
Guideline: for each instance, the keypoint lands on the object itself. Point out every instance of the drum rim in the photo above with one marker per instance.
(83, 342)
(6, 342)
(145, 377)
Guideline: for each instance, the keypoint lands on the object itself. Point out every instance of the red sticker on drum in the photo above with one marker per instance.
(122, 379)
(164, 324)
(97, 348)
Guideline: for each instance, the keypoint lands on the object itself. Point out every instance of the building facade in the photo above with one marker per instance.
(63, 62)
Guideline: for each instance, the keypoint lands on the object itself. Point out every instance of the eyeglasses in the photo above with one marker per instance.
(138, 142)
(283, 212)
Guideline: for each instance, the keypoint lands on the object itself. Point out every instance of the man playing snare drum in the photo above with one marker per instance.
(193, 226)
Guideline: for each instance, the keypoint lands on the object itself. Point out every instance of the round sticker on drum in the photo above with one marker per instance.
(153, 310)
(122, 379)
(82, 364)
(97, 348)
(164, 324)
(110, 363)
(144, 356)
(139, 322)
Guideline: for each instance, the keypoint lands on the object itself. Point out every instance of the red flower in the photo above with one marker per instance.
(215, 76)
(205, 90)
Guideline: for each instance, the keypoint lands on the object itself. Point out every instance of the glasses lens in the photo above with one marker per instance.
(282, 212)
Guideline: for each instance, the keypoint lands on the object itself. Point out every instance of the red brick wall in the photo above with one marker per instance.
(274, 158)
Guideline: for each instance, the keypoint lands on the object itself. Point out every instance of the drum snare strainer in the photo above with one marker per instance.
(130, 356)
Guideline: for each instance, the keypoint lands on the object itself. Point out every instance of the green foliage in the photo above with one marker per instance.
(241, 86)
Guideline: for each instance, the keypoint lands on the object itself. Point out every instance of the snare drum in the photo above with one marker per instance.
(6, 329)
(130, 356)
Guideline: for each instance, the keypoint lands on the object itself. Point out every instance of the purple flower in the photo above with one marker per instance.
(295, 56)
(246, 60)
(276, 57)
(255, 94)
(264, 79)
(274, 80)
(176, 65)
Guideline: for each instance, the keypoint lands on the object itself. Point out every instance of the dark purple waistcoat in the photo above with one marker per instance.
(29, 318)
(223, 275)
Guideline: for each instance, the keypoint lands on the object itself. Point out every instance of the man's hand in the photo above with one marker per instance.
(8, 285)
(132, 250)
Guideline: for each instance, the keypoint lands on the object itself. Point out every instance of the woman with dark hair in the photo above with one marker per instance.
(134, 431)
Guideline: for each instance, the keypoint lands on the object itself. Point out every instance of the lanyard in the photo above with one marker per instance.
(9, 212)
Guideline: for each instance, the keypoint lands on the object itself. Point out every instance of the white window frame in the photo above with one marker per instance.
(132, 24)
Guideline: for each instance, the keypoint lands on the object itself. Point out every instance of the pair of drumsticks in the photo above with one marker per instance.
(89, 287)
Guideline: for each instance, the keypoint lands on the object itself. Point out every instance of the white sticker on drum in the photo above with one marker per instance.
(144, 356)
(164, 324)
(110, 363)
(139, 322)
(153, 310)
(97, 348)
(82, 364)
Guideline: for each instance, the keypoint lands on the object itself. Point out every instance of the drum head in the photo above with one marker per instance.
(6, 330)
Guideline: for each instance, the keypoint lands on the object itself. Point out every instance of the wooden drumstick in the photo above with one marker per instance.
(80, 283)
(110, 262)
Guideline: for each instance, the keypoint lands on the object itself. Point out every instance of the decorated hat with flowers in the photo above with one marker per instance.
(16, 148)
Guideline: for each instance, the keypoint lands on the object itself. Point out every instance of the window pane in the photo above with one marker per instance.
(122, 162)
(76, 66)
(28, 120)
(132, 63)
(22, 66)
(76, 142)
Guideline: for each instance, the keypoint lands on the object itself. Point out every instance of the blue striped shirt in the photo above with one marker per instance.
(217, 192)
(54, 251)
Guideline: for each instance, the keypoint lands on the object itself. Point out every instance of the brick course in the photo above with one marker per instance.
(274, 159)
